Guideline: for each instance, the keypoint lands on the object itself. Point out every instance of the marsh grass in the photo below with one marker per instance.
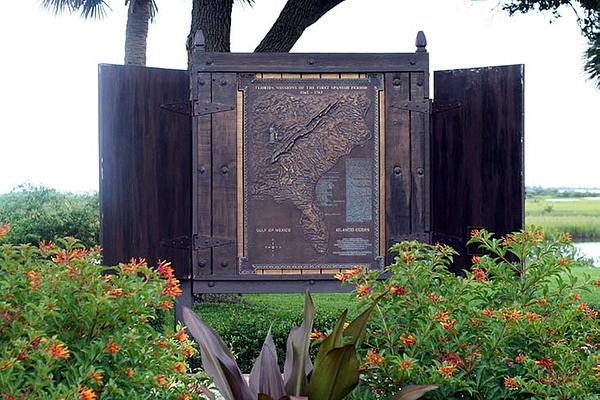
(579, 217)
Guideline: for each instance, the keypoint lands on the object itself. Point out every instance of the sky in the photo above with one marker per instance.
(49, 72)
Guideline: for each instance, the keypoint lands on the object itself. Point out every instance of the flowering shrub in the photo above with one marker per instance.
(513, 327)
(70, 330)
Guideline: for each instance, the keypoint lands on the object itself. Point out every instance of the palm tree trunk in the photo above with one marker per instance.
(136, 33)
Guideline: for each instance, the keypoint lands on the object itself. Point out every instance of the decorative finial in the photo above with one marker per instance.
(421, 42)
(199, 40)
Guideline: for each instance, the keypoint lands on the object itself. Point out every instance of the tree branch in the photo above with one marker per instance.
(296, 16)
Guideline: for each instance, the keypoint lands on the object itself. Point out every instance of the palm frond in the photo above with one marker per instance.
(592, 61)
(87, 8)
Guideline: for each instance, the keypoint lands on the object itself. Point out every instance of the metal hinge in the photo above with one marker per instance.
(443, 106)
(196, 242)
(420, 106)
(195, 108)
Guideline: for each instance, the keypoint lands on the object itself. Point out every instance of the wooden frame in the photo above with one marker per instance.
(404, 133)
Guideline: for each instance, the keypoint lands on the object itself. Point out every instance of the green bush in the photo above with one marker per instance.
(40, 213)
(69, 329)
(514, 327)
(243, 326)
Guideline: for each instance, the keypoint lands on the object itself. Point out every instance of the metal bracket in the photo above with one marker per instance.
(420, 106)
(443, 106)
(195, 108)
(196, 242)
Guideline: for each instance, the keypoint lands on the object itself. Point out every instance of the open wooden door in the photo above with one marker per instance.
(477, 154)
(145, 166)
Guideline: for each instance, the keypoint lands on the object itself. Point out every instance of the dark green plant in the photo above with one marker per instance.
(40, 213)
(333, 376)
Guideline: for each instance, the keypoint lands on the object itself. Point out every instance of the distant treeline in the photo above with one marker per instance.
(537, 191)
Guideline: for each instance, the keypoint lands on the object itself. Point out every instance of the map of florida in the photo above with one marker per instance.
(295, 139)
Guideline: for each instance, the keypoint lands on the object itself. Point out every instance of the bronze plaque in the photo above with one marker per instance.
(311, 173)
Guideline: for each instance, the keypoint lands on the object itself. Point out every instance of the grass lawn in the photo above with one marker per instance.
(578, 216)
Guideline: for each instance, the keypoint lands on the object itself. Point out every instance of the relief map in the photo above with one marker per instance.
(311, 168)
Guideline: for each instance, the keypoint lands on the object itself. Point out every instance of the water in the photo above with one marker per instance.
(590, 249)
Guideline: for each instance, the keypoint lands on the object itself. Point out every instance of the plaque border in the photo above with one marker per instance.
(377, 173)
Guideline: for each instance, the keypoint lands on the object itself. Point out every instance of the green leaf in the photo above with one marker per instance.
(336, 376)
(357, 328)
(217, 360)
(297, 360)
(333, 340)
(412, 392)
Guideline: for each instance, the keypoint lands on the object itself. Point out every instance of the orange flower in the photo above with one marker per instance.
(129, 372)
(172, 288)
(512, 315)
(374, 358)
(565, 237)
(545, 362)
(161, 380)
(35, 279)
(317, 335)
(531, 316)
(165, 269)
(396, 289)
(475, 260)
(478, 274)
(408, 340)
(6, 364)
(181, 336)
(59, 350)
(73, 271)
(447, 325)
(116, 292)
(510, 382)
(112, 347)
(363, 290)
(162, 343)
(442, 316)
(97, 376)
(434, 297)
(341, 277)
(542, 302)
(188, 352)
(488, 312)
(474, 232)
(520, 358)
(4, 229)
(406, 364)
(596, 369)
(354, 271)
(184, 397)
(86, 393)
(46, 247)
(563, 262)
(166, 305)
(588, 311)
(179, 367)
(132, 266)
(64, 256)
(598, 282)
(447, 370)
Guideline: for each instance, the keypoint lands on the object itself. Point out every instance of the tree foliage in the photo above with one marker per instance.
(588, 19)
